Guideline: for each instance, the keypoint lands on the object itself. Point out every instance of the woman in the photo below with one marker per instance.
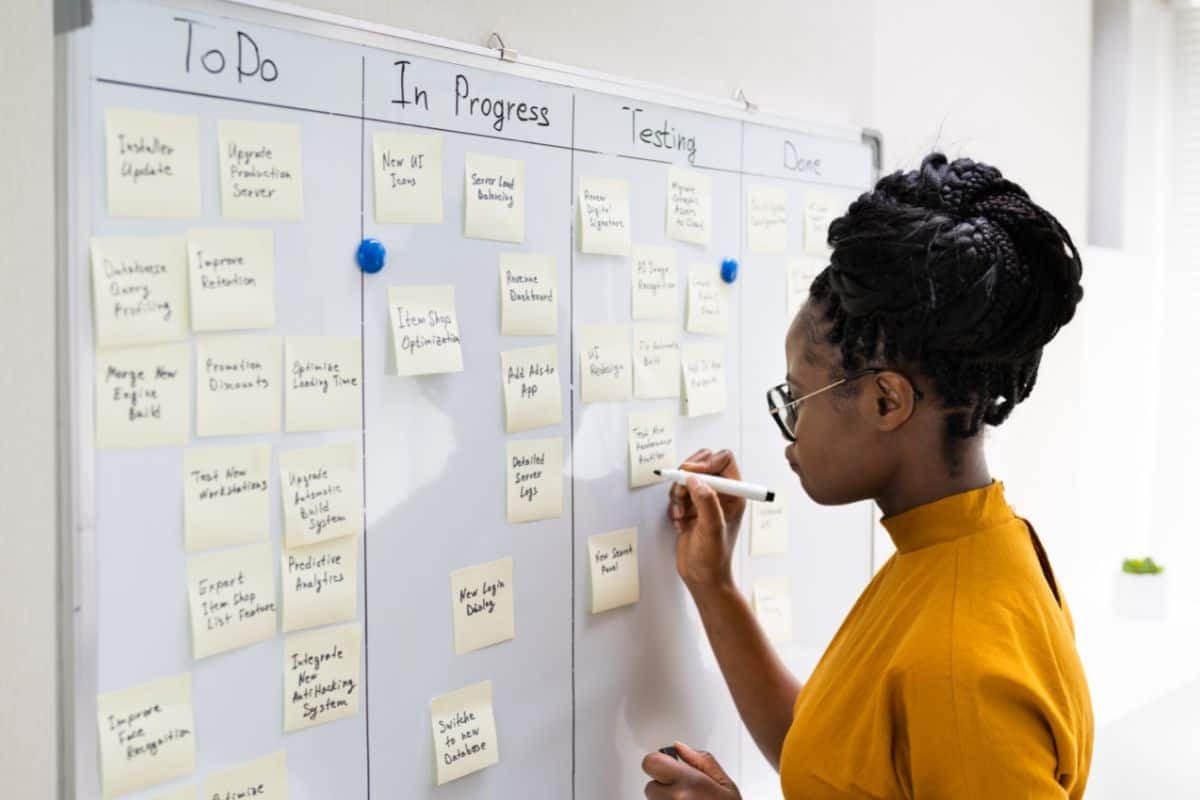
(955, 674)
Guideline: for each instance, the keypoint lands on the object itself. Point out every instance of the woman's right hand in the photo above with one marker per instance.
(707, 522)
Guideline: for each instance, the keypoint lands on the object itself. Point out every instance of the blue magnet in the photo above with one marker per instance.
(371, 256)
(729, 270)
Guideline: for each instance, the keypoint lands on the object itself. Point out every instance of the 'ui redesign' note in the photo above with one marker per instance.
(261, 170)
(321, 680)
(408, 177)
(153, 164)
(528, 289)
(604, 363)
(495, 198)
(534, 478)
(425, 336)
(238, 385)
(321, 493)
(464, 732)
(231, 594)
(614, 569)
(139, 290)
(482, 600)
(262, 779)
(226, 497)
(146, 735)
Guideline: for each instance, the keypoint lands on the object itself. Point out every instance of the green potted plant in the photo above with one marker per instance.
(1141, 591)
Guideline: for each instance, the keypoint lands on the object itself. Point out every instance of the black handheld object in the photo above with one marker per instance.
(670, 751)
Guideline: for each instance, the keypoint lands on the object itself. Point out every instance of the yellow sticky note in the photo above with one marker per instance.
(766, 220)
(703, 379)
(142, 396)
(800, 275)
(237, 385)
(534, 479)
(153, 164)
(232, 273)
(604, 216)
(768, 528)
(689, 206)
(604, 363)
(464, 732)
(707, 301)
(324, 383)
(495, 198)
(655, 361)
(320, 583)
(231, 594)
(655, 282)
(139, 290)
(146, 735)
(263, 779)
(321, 492)
(651, 446)
(261, 170)
(772, 601)
(424, 324)
(226, 497)
(614, 569)
(321, 676)
(182, 793)
(408, 177)
(528, 295)
(482, 599)
(532, 388)
(820, 209)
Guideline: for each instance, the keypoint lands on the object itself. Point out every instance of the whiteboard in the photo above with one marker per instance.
(579, 698)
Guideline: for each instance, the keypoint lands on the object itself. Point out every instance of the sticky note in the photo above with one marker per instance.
(324, 383)
(819, 210)
(146, 735)
(408, 177)
(321, 680)
(142, 396)
(707, 301)
(534, 470)
(800, 275)
(182, 793)
(322, 493)
(320, 583)
(232, 278)
(689, 206)
(604, 363)
(772, 601)
(655, 282)
(703, 379)
(226, 497)
(651, 446)
(464, 732)
(495, 198)
(768, 528)
(482, 600)
(261, 170)
(238, 385)
(614, 569)
(603, 216)
(655, 361)
(532, 388)
(425, 336)
(139, 290)
(766, 220)
(528, 295)
(262, 779)
(153, 164)
(231, 595)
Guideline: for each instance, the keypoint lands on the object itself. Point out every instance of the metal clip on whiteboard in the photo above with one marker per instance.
(740, 96)
(496, 42)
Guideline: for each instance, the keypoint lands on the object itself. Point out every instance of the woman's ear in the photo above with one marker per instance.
(894, 400)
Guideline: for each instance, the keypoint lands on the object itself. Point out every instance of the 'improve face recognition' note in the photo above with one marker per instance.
(146, 735)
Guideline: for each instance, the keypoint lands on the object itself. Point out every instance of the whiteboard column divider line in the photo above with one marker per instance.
(571, 361)
(362, 370)
(741, 370)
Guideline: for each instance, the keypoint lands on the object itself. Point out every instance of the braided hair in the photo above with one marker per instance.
(954, 270)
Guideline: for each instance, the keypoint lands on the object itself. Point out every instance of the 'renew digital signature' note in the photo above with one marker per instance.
(768, 528)
(655, 283)
(655, 361)
(408, 177)
(707, 301)
(261, 170)
(320, 583)
(321, 492)
(425, 337)
(262, 779)
(614, 569)
(153, 164)
(231, 594)
(142, 396)
(689, 206)
(604, 216)
(226, 497)
(532, 388)
(772, 602)
(139, 290)
(651, 446)
(604, 363)
(232, 278)
(237, 386)
(703, 368)
(482, 601)
(146, 735)
(321, 672)
(819, 210)
(766, 220)
(534, 479)
(495, 198)
(528, 295)
(324, 383)
(464, 732)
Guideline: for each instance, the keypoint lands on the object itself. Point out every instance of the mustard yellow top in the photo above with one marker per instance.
(955, 674)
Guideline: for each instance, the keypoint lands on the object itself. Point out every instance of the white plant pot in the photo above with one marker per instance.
(1140, 596)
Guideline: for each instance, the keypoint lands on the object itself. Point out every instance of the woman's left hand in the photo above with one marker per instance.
(697, 776)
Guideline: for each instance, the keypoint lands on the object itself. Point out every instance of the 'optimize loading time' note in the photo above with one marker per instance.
(321, 492)
(226, 497)
(408, 177)
(142, 396)
(320, 583)
(534, 479)
(482, 599)
(153, 164)
(425, 336)
(464, 732)
(237, 389)
(261, 170)
(321, 676)
(324, 383)
(528, 295)
(146, 735)
(532, 388)
(231, 594)
(139, 290)
(495, 198)
(614, 569)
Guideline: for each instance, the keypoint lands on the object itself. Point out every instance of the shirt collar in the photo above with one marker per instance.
(949, 518)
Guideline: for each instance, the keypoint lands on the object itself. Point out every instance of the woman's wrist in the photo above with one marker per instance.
(712, 592)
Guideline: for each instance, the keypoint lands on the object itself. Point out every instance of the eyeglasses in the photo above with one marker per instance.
(786, 410)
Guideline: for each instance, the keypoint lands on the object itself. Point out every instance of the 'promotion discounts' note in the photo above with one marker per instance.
(232, 278)
(464, 732)
(226, 498)
(495, 198)
(534, 479)
(237, 390)
(482, 599)
(655, 361)
(614, 572)
(321, 676)
(260, 170)
(324, 383)
(766, 220)
(408, 177)
(689, 206)
(320, 583)
(153, 164)
(532, 389)
(800, 275)
(772, 601)
(768, 528)
(703, 379)
(528, 295)
(262, 779)
(819, 211)
(322, 494)
(139, 290)
(604, 216)
(655, 282)
(707, 301)
(146, 735)
(232, 598)
(651, 446)
(425, 336)
(142, 396)
(604, 363)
